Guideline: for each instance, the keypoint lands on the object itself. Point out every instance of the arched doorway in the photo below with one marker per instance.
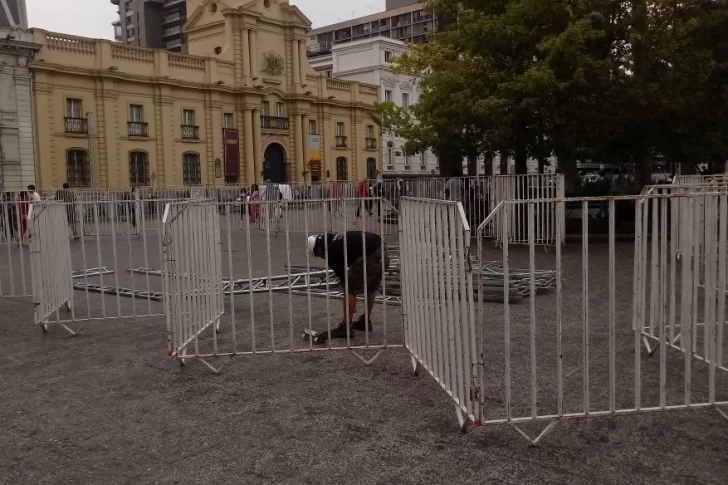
(274, 164)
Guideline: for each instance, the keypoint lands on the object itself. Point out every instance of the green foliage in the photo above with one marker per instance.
(610, 80)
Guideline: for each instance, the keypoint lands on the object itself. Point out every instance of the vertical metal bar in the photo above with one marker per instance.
(532, 279)
(440, 227)
(116, 265)
(722, 262)
(231, 278)
(674, 204)
(132, 275)
(463, 320)
(507, 309)
(98, 255)
(585, 299)
(143, 228)
(663, 300)
(654, 254)
(288, 267)
(326, 251)
(612, 308)
(637, 316)
(688, 283)
(308, 271)
(251, 299)
(270, 289)
(559, 317)
(384, 272)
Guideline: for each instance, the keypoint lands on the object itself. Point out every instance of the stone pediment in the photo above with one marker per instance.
(204, 15)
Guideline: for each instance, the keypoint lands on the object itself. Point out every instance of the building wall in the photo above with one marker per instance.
(17, 158)
(366, 61)
(259, 60)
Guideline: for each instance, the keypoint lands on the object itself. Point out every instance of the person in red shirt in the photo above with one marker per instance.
(362, 190)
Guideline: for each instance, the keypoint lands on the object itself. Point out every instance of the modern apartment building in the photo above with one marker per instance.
(410, 23)
(151, 23)
(368, 61)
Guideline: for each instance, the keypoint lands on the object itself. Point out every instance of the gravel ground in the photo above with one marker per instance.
(109, 407)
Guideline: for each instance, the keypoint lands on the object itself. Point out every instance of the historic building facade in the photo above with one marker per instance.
(17, 158)
(243, 107)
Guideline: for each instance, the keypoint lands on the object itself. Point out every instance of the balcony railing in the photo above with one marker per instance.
(319, 49)
(190, 132)
(76, 125)
(138, 128)
(371, 143)
(341, 142)
(274, 122)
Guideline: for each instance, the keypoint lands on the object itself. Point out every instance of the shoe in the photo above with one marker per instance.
(361, 324)
(338, 332)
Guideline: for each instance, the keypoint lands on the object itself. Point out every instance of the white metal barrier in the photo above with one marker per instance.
(193, 296)
(543, 188)
(50, 251)
(718, 179)
(576, 354)
(15, 267)
(440, 327)
(674, 317)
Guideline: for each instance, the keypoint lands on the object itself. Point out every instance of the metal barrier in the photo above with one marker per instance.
(50, 251)
(15, 267)
(275, 299)
(440, 327)
(718, 179)
(574, 355)
(543, 188)
(673, 316)
(193, 296)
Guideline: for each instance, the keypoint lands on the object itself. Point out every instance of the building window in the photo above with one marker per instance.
(405, 100)
(130, 33)
(280, 110)
(117, 30)
(75, 120)
(388, 56)
(138, 168)
(370, 131)
(312, 127)
(228, 121)
(339, 129)
(191, 169)
(371, 168)
(137, 127)
(342, 169)
(387, 96)
(265, 108)
(78, 169)
(190, 131)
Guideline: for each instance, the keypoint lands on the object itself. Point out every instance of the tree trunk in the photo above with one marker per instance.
(521, 161)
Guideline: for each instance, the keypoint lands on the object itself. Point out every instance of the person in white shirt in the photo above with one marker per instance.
(34, 196)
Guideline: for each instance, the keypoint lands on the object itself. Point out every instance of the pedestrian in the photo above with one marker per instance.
(359, 250)
(253, 202)
(23, 213)
(363, 193)
(66, 196)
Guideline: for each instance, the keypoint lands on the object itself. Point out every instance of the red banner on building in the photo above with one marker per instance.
(231, 152)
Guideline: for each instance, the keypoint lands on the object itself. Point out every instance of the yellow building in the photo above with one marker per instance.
(243, 107)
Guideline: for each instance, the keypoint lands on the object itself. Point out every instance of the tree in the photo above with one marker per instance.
(609, 80)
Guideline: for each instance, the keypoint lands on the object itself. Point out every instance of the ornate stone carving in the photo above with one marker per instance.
(272, 63)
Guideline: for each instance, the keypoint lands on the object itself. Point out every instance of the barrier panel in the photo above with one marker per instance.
(50, 261)
(440, 327)
(15, 267)
(193, 296)
(575, 354)
(543, 188)
(718, 179)
(278, 296)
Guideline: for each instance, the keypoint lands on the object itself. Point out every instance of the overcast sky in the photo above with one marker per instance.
(92, 18)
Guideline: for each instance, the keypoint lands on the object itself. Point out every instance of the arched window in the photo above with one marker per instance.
(78, 169)
(191, 169)
(138, 168)
(342, 169)
(371, 168)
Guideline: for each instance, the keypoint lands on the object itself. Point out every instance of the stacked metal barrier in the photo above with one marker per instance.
(51, 261)
(440, 322)
(193, 273)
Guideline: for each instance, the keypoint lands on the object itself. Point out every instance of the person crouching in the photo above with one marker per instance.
(362, 250)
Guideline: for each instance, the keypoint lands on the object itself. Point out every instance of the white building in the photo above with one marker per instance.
(368, 61)
(17, 154)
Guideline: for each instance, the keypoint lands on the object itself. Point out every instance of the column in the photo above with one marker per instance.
(249, 148)
(299, 147)
(246, 54)
(304, 144)
(254, 64)
(258, 143)
(302, 60)
(296, 63)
